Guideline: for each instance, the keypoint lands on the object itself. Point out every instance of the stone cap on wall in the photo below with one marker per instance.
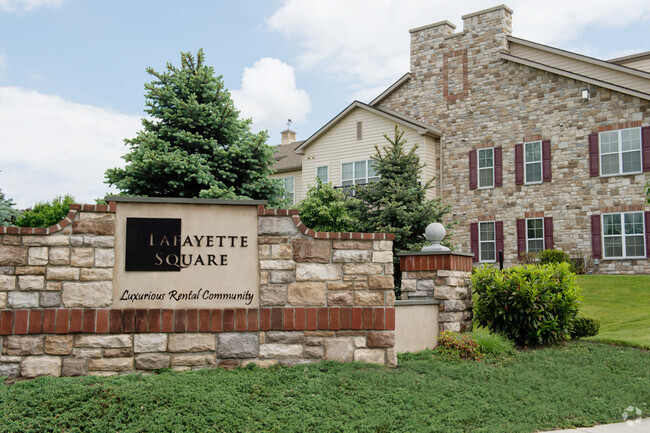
(181, 200)
(417, 301)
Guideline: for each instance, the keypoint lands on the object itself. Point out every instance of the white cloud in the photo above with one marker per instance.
(27, 5)
(51, 146)
(3, 64)
(269, 95)
(366, 44)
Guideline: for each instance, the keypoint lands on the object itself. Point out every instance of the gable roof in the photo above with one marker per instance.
(386, 93)
(421, 128)
(286, 159)
(605, 74)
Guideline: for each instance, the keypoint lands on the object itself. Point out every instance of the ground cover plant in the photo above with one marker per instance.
(621, 303)
(575, 384)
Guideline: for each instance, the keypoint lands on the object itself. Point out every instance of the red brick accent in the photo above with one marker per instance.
(357, 318)
(204, 321)
(36, 320)
(192, 320)
(240, 319)
(253, 319)
(379, 319)
(435, 262)
(323, 318)
(49, 318)
(445, 75)
(288, 319)
(390, 319)
(102, 322)
(154, 320)
(229, 320)
(167, 321)
(265, 319)
(335, 319)
(538, 214)
(115, 325)
(128, 317)
(346, 318)
(367, 318)
(20, 322)
(628, 208)
(312, 319)
(141, 320)
(217, 320)
(300, 323)
(89, 320)
(180, 320)
(76, 321)
(276, 319)
(62, 323)
(6, 322)
(615, 126)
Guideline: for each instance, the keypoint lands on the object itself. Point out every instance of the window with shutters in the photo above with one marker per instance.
(322, 173)
(534, 235)
(486, 168)
(533, 162)
(357, 173)
(487, 242)
(288, 183)
(623, 235)
(620, 152)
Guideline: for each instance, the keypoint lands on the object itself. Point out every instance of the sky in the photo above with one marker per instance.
(72, 72)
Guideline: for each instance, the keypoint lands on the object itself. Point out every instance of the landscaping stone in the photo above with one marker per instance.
(110, 364)
(282, 277)
(317, 272)
(50, 299)
(118, 353)
(58, 344)
(10, 370)
(351, 256)
(13, 255)
(37, 256)
(191, 343)
(273, 295)
(362, 269)
(29, 282)
(7, 282)
(22, 299)
(351, 245)
(104, 258)
(152, 361)
(209, 360)
(340, 298)
(237, 345)
(59, 256)
(286, 337)
(372, 356)
(35, 366)
(276, 226)
(339, 349)
(369, 298)
(143, 343)
(14, 345)
(381, 339)
(82, 257)
(88, 295)
(280, 351)
(74, 367)
(311, 251)
(307, 293)
(103, 341)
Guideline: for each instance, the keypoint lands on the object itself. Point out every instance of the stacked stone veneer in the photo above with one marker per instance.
(444, 277)
(461, 85)
(322, 296)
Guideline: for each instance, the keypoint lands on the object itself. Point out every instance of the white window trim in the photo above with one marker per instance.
(541, 163)
(543, 233)
(494, 242)
(623, 244)
(293, 193)
(327, 171)
(478, 168)
(354, 179)
(620, 155)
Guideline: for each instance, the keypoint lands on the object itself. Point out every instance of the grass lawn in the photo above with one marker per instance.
(622, 304)
(576, 384)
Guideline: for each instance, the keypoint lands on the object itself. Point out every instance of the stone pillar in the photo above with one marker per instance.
(442, 276)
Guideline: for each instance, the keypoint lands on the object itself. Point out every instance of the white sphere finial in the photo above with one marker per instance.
(435, 232)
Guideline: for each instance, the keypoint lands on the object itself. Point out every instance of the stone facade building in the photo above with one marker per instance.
(535, 147)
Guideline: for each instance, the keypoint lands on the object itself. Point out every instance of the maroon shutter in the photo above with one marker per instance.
(647, 234)
(546, 160)
(645, 140)
(473, 233)
(498, 166)
(596, 243)
(519, 164)
(473, 175)
(548, 233)
(498, 235)
(594, 160)
(521, 236)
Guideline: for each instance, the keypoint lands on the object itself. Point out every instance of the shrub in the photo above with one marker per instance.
(553, 256)
(582, 262)
(584, 327)
(46, 214)
(530, 305)
(492, 344)
(325, 209)
(527, 258)
(459, 346)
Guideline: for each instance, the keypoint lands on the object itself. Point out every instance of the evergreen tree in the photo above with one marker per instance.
(7, 211)
(195, 144)
(325, 209)
(46, 214)
(396, 203)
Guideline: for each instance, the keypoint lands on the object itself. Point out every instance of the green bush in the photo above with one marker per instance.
(530, 305)
(459, 346)
(492, 344)
(584, 327)
(325, 209)
(46, 214)
(553, 256)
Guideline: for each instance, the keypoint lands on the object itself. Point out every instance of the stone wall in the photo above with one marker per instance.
(322, 296)
(460, 85)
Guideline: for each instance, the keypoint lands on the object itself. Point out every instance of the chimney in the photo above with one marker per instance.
(288, 137)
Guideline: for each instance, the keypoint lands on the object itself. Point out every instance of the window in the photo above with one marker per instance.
(535, 235)
(487, 242)
(288, 183)
(322, 173)
(357, 173)
(533, 162)
(486, 168)
(623, 235)
(620, 151)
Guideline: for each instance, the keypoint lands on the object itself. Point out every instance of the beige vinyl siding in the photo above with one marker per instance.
(641, 65)
(340, 145)
(580, 67)
(297, 183)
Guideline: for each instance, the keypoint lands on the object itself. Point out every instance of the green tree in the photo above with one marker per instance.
(195, 144)
(325, 209)
(45, 214)
(7, 211)
(396, 203)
